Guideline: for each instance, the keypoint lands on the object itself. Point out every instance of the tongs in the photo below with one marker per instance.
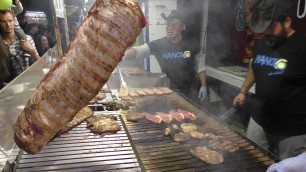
(123, 90)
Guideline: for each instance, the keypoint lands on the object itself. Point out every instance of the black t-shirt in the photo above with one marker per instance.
(176, 60)
(280, 76)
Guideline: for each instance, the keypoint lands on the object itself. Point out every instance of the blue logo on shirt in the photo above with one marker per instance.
(176, 55)
(278, 64)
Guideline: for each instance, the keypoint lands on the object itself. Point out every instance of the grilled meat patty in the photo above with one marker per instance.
(101, 124)
(188, 127)
(207, 155)
(223, 145)
(135, 117)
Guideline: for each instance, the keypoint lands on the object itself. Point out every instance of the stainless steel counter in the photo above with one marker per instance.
(227, 77)
(13, 97)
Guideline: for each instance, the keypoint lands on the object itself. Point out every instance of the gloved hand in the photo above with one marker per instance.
(294, 164)
(202, 93)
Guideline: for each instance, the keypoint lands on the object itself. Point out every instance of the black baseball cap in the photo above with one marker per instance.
(174, 14)
(268, 11)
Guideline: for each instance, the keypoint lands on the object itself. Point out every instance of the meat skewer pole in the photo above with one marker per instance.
(99, 45)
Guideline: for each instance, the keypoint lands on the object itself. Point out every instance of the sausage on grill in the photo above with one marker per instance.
(110, 27)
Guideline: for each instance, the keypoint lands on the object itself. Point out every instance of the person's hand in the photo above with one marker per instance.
(16, 2)
(27, 46)
(202, 93)
(294, 164)
(239, 100)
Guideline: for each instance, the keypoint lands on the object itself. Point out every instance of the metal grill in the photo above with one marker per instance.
(160, 153)
(81, 150)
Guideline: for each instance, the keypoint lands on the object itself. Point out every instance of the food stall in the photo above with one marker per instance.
(139, 145)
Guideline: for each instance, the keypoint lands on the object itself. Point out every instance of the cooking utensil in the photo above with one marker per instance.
(228, 115)
(123, 89)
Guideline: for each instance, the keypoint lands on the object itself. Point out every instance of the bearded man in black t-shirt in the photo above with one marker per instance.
(279, 71)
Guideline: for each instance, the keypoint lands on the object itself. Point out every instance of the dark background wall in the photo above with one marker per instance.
(37, 5)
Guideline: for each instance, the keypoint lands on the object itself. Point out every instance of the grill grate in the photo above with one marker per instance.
(160, 153)
(81, 150)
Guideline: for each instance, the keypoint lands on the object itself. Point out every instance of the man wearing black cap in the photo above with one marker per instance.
(175, 55)
(279, 71)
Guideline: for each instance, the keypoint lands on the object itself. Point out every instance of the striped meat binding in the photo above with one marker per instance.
(110, 27)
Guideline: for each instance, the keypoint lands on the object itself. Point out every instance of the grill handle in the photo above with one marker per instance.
(228, 115)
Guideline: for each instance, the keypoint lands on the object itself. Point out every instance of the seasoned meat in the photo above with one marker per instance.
(81, 116)
(188, 127)
(175, 127)
(148, 91)
(100, 96)
(187, 114)
(157, 91)
(98, 46)
(181, 137)
(166, 118)
(207, 155)
(197, 135)
(140, 92)
(153, 118)
(223, 145)
(212, 136)
(167, 131)
(101, 124)
(135, 117)
(177, 116)
(166, 90)
(132, 93)
(93, 101)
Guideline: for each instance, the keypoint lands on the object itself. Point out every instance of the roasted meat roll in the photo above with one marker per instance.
(100, 42)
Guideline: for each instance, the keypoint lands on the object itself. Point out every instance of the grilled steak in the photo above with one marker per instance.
(148, 91)
(153, 118)
(98, 46)
(101, 124)
(132, 93)
(188, 127)
(157, 91)
(135, 117)
(140, 92)
(166, 90)
(177, 116)
(166, 118)
(187, 114)
(207, 155)
(81, 116)
(223, 145)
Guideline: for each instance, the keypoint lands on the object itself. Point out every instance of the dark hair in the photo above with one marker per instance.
(3, 12)
(282, 17)
(41, 51)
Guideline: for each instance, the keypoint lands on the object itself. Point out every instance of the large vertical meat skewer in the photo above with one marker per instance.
(110, 27)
